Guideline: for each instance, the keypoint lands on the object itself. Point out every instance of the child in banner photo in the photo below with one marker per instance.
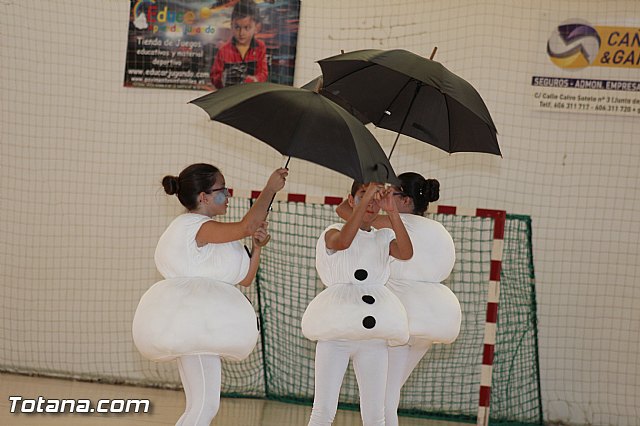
(196, 315)
(356, 316)
(243, 59)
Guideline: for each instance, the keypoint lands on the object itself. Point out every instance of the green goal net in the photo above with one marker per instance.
(446, 383)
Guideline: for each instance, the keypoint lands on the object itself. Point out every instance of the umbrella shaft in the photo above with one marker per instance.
(404, 120)
(274, 195)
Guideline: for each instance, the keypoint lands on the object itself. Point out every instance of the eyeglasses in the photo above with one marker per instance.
(224, 190)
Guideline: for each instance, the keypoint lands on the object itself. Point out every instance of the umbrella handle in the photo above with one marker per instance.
(266, 240)
(274, 195)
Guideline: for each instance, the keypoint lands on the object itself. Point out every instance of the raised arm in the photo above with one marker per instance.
(400, 248)
(344, 211)
(342, 239)
(221, 232)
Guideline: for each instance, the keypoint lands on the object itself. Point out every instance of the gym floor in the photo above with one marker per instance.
(166, 406)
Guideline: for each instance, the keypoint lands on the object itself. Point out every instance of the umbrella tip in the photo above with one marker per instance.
(433, 53)
(386, 169)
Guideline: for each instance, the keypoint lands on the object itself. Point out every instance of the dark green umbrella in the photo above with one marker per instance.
(415, 96)
(302, 124)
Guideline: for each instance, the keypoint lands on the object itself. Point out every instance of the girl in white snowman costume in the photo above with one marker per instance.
(196, 315)
(432, 309)
(356, 316)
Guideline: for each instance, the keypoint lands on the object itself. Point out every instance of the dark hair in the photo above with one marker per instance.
(422, 191)
(245, 8)
(355, 187)
(192, 181)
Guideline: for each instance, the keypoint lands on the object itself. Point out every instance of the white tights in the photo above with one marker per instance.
(201, 376)
(402, 361)
(370, 362)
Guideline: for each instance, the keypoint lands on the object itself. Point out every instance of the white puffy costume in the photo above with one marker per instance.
(196, 314)
(355, 317)
(433, 310)
(197, 309)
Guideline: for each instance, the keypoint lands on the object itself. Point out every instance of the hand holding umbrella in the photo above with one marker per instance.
(261, 237)
(275, 183)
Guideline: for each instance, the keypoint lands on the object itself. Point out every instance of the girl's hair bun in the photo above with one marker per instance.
(171, 185)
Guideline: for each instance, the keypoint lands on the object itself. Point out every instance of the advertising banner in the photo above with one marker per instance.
(204, 45)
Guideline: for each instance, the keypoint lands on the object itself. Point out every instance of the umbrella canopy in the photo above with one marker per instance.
(302, 124)
(316, 85)
(415, 96)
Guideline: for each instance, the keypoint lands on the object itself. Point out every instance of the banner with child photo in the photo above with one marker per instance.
(207, 45)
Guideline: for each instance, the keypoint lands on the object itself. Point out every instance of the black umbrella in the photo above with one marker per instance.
(415, 96)
(316, 85)
(303, 124)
